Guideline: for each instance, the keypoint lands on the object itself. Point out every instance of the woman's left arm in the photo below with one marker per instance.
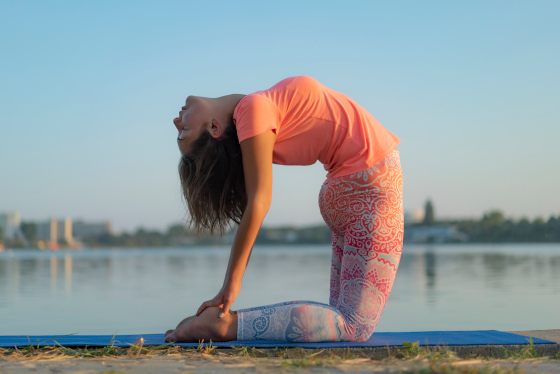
(257, 167)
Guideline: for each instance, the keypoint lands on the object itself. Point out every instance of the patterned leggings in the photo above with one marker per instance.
(365, 214)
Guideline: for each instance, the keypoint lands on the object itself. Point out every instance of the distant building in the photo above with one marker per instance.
(48, 231)
(10, 223)
(64, 231)
(53, 232)
(434, 234)
(83, 230)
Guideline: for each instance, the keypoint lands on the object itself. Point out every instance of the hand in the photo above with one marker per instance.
(223, 299)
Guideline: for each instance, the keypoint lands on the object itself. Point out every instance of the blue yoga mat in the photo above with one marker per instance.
(378, 339)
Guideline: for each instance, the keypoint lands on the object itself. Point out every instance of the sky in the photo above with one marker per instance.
(88, 91)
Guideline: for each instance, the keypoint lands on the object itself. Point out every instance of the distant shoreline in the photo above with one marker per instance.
(492, 227)
(267, 245)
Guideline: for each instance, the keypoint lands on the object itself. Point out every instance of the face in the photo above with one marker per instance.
(195, 116)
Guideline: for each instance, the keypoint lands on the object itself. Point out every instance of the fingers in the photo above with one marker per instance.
(208, 303)
(225, 309)
(202, 307)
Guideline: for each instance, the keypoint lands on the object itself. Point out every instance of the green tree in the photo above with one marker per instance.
(429, 214)
(493, 227)
(553, 229)
(522, 231)
(538, 232)
(177, 231)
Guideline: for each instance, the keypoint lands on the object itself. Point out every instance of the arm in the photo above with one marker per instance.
(257, 167)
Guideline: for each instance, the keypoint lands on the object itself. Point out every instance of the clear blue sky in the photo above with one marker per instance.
(88, 91)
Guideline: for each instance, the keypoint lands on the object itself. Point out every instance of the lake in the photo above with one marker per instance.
(438, 287)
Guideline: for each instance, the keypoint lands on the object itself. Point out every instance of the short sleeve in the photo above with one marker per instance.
(255, 115)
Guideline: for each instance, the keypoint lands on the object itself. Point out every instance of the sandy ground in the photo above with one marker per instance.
(212, 364)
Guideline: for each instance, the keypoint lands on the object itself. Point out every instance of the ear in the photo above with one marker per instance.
(216, 128)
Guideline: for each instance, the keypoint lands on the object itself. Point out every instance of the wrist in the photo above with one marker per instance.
(233, 281)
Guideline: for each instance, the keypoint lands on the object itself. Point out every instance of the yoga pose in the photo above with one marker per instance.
(228, 145)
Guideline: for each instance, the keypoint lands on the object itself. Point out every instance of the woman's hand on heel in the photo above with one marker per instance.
(223, 299)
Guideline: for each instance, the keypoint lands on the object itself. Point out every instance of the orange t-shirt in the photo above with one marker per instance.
(314, 123)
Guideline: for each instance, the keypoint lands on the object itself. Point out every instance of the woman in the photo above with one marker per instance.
(228, 145)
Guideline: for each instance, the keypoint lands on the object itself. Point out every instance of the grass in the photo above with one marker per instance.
(438, 368)
(440, 360)
(410, 351)
(37, 352)
(50, 352)
(522, 353)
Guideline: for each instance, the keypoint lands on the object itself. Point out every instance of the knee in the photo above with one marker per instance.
(362, 332)
(360, 339)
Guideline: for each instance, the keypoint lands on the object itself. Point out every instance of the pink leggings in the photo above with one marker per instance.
(365, 214)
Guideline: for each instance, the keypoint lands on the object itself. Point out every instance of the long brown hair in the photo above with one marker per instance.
(213, 182)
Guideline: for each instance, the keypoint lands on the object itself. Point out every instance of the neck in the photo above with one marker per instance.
(229, 102)
(226, 105)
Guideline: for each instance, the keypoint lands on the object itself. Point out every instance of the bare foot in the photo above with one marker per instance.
(207, 326)
(181, 324)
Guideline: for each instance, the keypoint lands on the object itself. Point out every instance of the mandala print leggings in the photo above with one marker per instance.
(365, 214)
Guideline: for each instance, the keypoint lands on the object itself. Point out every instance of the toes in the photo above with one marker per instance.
(170, 338)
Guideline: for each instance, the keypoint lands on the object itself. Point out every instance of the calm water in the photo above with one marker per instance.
(503, 287)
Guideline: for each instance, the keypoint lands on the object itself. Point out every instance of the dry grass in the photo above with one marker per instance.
(439, 368)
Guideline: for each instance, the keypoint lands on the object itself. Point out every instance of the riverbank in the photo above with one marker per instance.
(542, 358)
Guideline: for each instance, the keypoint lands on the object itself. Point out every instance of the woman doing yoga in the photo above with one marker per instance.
(228, 145)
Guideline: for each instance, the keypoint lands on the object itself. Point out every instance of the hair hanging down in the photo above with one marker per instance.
(213, 182)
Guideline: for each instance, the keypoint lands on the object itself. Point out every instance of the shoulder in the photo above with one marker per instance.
(252, 103)
(255, 115)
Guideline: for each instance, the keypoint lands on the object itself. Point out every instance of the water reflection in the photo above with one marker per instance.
(430, 271)
(54, 275)
(109, 266)
(68, 274)
(437, 287)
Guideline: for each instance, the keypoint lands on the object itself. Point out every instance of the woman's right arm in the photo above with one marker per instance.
(257, 167)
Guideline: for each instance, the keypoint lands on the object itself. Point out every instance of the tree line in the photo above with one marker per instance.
(493, 227)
